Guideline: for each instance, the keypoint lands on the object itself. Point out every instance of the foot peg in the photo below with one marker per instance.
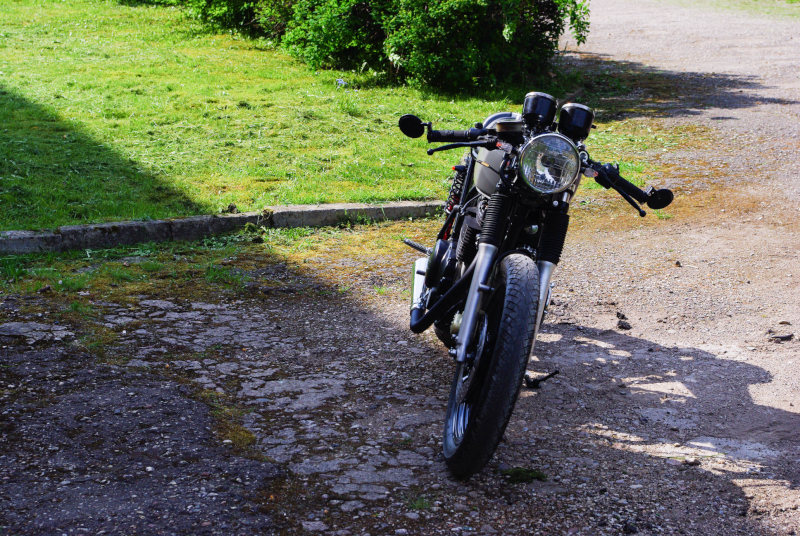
(418, 247)
(535, 383)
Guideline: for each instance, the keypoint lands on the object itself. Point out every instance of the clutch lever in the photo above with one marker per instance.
(482, 143)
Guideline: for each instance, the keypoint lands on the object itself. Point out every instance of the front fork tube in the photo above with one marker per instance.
(484, 261)
(545, 274)
(546, 270)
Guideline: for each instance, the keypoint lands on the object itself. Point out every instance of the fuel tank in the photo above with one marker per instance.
(485, 178)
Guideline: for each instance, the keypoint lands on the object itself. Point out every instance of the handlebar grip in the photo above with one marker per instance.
(448, 135)
(610, 175)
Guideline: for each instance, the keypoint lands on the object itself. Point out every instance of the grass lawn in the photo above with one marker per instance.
(115, 112)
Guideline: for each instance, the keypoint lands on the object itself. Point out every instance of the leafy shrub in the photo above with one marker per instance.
(341, 34)
(273, 16)
(446, 43)
(240, 15)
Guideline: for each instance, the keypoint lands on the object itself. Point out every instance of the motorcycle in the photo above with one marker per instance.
(485, 286)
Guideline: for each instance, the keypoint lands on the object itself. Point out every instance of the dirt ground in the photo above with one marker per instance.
(303, 404)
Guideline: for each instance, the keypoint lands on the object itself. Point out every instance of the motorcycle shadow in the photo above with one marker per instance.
(683, 414)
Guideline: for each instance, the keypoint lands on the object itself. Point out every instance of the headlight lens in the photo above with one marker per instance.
(549, 163)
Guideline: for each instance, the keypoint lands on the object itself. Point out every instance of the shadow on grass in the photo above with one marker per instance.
(52, 173)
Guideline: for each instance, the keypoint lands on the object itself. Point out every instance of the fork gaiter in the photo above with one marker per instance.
(495, 219)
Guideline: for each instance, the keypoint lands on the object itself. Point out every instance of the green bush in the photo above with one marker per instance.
(343, 34)
(240, 15)
(446, 43)
(273, 16)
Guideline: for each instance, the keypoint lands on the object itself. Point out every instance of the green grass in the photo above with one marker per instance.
(661, 215)
(418, 502)
(81, 308)
(224, 276)
(11, 270)
(112, 112)
(521, 475)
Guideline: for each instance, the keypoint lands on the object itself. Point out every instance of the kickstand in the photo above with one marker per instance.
(535, 383)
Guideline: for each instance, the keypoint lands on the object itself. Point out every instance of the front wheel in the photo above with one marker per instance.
(484, 391)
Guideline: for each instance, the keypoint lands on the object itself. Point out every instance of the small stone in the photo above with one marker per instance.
(785, 323)
(623, 324)
(636, 486)
(630, 528)
(678, 264)
(45, 289)
(401, 531)
(412, 515)
(488, 529)
(621, 315)
(349, 506)
(314, 526)
(691, 461)
(149, 469)
(781, 337)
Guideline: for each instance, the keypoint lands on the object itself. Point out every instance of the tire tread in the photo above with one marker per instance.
(507, 369)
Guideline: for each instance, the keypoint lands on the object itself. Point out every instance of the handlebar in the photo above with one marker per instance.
(608, 177)
(438, 136)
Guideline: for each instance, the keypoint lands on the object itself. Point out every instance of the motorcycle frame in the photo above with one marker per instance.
(488, 257)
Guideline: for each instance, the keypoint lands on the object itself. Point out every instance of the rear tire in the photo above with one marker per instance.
(484, 392)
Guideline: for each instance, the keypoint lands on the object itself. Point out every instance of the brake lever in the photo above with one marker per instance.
(595, 171)
(632, 202)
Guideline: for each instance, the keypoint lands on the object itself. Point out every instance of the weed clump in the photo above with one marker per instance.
(522, 475)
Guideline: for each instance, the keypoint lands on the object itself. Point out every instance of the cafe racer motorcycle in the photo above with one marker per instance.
(484, 285)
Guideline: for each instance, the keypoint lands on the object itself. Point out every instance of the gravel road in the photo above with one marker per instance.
(675, 410)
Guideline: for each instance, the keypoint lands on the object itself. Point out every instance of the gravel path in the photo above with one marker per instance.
(675, 410)
(735, 71)
(753, 60)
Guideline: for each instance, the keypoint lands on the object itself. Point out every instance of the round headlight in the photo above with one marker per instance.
(549, 163)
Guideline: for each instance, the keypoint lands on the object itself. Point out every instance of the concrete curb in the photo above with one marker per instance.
(106, 235)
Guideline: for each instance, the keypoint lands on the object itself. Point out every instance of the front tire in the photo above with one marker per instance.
(484, 392)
